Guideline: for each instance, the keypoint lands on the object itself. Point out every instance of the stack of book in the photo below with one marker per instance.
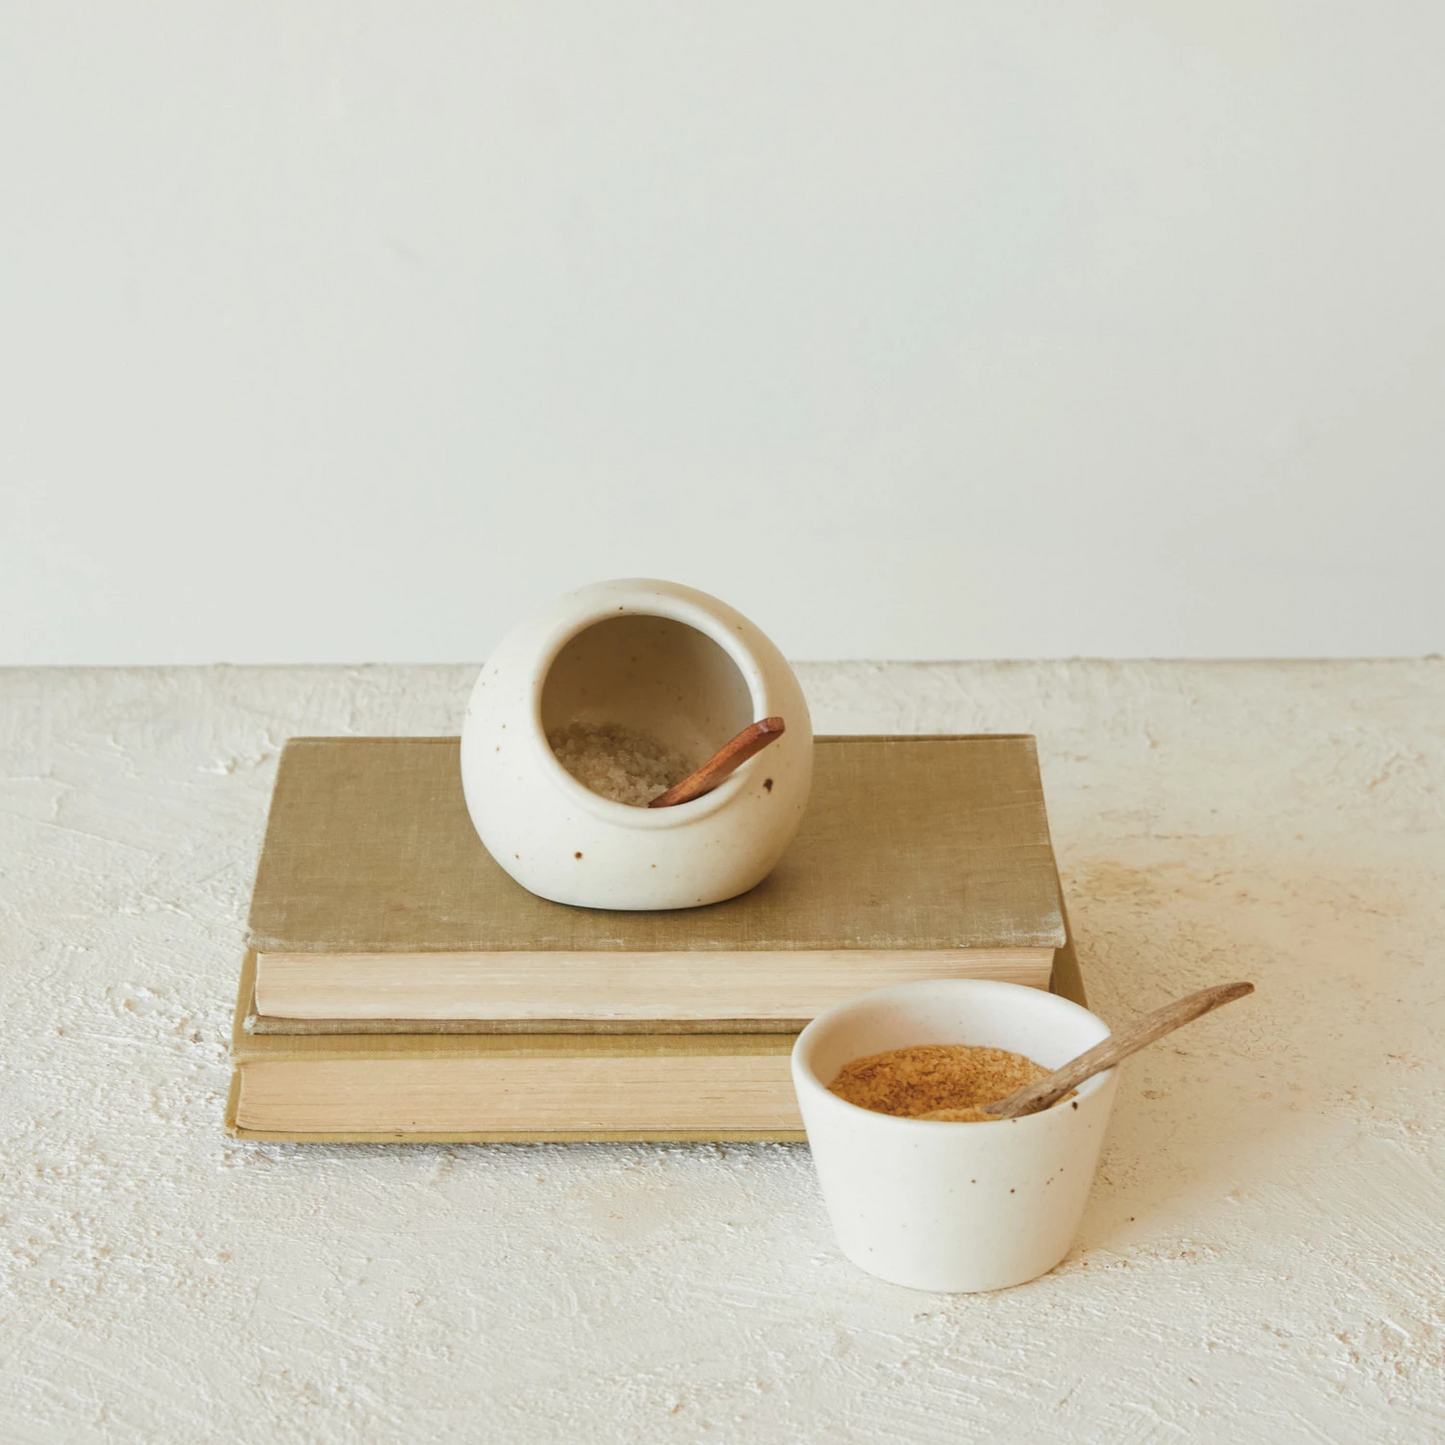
(399, 985)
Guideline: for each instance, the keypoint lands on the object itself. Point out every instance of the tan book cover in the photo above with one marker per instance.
(499, 1088)
(507, 1088)
(375, 900)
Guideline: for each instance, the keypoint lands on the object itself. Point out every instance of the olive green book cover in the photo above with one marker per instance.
(908, 842)
(376, 905)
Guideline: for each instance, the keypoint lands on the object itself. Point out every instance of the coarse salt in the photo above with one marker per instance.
(624, 764)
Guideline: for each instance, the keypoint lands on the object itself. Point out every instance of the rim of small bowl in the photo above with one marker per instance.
(804, 1076)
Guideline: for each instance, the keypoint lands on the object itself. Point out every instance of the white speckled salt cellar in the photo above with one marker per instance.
(955, 1207)
(657, 657)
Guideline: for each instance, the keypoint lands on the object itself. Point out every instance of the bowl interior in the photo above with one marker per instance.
(652, 674)
(1045, 1028)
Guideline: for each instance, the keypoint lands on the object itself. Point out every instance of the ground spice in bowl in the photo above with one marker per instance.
(945, 1082)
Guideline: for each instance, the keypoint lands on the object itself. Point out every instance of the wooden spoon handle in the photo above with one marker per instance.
(1119, 1045)
(733, 754)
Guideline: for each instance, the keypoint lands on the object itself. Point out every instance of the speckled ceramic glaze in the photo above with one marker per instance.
(953, 1206)
(658, 657)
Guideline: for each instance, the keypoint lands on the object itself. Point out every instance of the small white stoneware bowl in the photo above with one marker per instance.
(657, 657)
(953, 1206)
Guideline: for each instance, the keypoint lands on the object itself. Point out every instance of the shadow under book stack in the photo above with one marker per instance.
(399, 985)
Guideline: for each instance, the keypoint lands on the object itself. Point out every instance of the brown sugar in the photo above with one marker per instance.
(949, 1082)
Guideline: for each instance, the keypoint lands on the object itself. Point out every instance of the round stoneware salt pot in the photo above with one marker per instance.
(659, 658)
(953, 1206)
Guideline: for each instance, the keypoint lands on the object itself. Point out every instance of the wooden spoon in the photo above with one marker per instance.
(732, 755)
(1119, 1045)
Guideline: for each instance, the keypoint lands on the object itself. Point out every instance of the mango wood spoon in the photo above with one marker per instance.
(732, 755)
(1119, 1045)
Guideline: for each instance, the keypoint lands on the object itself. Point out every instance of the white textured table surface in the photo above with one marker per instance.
(1263, 1256)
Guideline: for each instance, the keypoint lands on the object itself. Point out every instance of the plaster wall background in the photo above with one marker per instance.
(350, 331)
